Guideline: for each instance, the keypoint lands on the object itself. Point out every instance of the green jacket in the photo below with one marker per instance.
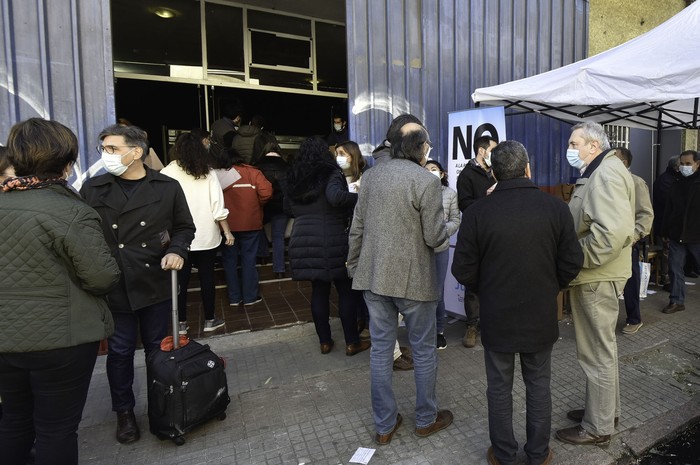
(55, 269)
(603, 208)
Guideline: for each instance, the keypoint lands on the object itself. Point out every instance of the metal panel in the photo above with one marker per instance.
(426, 57)
(56, 63)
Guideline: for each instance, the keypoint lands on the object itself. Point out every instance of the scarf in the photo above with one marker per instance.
(23, 183)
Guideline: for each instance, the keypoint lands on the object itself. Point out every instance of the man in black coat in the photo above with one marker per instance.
(472, 183)
(517, 248)
(148, 228)
(682, 226)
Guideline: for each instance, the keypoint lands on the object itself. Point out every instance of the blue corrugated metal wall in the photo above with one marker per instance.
(56, 63)
(426, 57)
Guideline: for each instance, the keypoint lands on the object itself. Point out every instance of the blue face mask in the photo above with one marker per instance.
(573, 159)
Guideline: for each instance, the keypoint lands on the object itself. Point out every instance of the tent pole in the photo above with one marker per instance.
(659, 127)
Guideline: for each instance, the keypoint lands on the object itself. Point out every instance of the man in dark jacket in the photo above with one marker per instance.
(661, 187)
(682, 226)
(518, 296)
(148, 228)
(472, 183)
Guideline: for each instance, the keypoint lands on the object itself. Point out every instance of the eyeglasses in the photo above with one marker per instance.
(111, 148)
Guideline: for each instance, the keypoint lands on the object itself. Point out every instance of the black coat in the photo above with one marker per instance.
(662, 186)
(517, 248)
(682, 212)
(139, 231)
(275, 170)
(472, 183)
(321, 206)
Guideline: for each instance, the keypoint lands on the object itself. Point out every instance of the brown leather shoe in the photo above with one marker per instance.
(356, 348)
(406, 352)
(549, 458)
(403, 363)
(384, 439)
(578, 436)
(127, 429)
(327, 347)
(577, 416)
(673, 308)
(491, 457)
(443, 420)
(469, 339)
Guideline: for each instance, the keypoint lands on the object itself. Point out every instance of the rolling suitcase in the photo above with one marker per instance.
(186, 385)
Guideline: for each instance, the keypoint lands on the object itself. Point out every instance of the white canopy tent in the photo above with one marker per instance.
(650, 82)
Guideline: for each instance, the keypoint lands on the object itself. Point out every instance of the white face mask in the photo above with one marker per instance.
(436, 173)
(573, 159)
(343, 162)
(686, 170)
(113, 163)
(338, 127)
(487, 159)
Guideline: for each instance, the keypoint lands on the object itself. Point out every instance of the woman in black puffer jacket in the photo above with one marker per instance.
(316, 195)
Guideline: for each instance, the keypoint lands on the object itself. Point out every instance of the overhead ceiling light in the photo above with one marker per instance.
(165, 13)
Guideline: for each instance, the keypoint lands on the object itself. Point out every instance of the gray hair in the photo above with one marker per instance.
(409, 145)
(674, 162)
(509, 160)
(133, 135)
(593, 132)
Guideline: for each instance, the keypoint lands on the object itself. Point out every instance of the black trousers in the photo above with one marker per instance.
(536, 370)
(43, 395)
(320, 309)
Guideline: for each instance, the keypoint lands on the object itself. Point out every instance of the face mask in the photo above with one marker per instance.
(427, 154)
(343, 162)
(686, 170)
(113, 163)
(487, 160)
(573, 159)
(338, 127)
(437, 173)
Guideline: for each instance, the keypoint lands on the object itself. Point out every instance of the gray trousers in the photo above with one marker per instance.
(595, 308)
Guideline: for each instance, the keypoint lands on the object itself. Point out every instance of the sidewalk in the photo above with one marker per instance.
(292, 405)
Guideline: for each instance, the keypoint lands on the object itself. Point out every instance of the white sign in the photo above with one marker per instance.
(464, 128)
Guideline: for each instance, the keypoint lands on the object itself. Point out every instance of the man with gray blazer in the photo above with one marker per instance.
(398, 221)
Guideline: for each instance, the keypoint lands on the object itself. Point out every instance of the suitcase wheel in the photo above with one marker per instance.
(221, 416)
(179, 440)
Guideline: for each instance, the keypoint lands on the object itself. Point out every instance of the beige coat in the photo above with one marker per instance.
(643, 210)
(603, 208)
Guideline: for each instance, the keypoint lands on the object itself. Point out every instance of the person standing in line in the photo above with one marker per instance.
(148, 227)
(661, 187)
(442, 253)
(191, 167)
(230, 121)
(517, 249)
(244, 200)
(56, 272)
(275, 169)
(397, 224)
(682, 227)
(317, 196)
(602, 205)
(643, 219)
(473, 184)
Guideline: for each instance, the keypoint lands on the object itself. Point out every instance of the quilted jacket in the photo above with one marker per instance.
(55, 270)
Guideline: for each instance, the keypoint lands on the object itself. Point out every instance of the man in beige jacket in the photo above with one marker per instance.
(602, 206)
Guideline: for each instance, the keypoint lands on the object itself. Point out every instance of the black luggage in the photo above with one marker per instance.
(186, 385)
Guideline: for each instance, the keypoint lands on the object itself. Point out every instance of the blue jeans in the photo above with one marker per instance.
(278, 226)
(537, 373)
(152, 323)
(383, 328)
(676, 261)
(631, 291)
(441, 261)
(244, 288)
(43, 395)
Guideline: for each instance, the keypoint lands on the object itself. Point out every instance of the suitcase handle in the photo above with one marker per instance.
(176, 318)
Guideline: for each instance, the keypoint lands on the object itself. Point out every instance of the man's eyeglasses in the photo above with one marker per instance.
(111, 148)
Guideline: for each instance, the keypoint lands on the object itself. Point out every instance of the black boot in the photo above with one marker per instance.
(127, 429)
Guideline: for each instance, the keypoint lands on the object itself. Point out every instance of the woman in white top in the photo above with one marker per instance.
(191, 167)
(452, 220)
(350, 160)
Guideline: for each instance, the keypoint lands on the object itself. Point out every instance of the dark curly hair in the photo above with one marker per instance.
(313, 154)
(191, 155)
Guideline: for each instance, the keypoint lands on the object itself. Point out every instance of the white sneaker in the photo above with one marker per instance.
(211, 325)
(183, 327)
